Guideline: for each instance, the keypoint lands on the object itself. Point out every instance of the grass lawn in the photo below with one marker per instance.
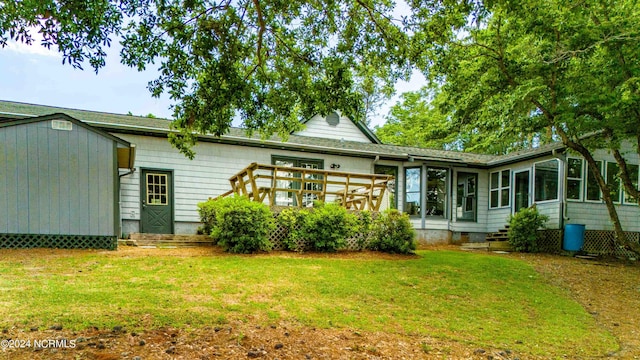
(467, 297)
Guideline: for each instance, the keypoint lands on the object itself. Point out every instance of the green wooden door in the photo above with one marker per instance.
(156, 193)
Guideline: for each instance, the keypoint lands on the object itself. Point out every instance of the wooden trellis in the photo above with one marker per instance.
(292, 186)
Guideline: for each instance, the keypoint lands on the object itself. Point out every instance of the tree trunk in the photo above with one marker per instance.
(624, 176)
(620, 238)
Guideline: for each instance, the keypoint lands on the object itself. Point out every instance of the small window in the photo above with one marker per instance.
(499, 189)
(574, 179)
(633, 176)
(546, 180)
(593, 192)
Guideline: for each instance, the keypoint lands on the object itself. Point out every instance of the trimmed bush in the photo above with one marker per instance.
(327, 227)
(392, 233)
(238, 224)
(523, 227)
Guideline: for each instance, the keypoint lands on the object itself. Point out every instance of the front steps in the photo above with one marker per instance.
(496, 241)
(500, 235)
(167, 241)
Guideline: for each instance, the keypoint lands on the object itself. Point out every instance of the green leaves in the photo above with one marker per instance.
(80, 29)
(269, 64)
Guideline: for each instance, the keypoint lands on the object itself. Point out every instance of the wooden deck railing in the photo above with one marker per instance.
(291, 186)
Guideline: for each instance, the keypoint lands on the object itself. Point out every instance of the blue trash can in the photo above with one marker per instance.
(573, 237)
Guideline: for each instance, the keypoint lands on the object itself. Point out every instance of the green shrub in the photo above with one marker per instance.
(523, 227)
(392, 232)
(291, 219)
(327, 227)
(238, 224)
(207, 216)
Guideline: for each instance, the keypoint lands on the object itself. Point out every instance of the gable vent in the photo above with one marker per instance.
(61, 125)
(333, 119)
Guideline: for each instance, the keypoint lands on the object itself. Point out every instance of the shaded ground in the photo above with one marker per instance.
(609, 290)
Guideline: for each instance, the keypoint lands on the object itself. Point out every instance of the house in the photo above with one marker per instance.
(450, 196)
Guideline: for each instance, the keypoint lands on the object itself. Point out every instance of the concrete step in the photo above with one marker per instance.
(167, 240)
(488, 246)
(169, 237)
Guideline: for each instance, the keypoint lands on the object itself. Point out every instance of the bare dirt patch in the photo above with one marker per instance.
(609, 290)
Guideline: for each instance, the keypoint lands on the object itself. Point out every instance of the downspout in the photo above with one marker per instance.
(423, 193)
(562, 184)
(132, 169)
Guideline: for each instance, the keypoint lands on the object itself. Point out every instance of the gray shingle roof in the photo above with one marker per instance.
(128, 123)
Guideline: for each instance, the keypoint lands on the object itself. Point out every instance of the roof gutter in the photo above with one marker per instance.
(256, 142)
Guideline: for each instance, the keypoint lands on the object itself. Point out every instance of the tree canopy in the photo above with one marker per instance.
(554, 68)
(268, 63)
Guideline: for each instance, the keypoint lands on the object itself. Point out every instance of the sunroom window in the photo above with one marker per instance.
(613, 181)
(633, 176)
(546, 180)
(499, 189)
(413, 195)
(593, 190)
(574, 179)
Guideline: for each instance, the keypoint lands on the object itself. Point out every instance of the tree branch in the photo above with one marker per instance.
(262, 27)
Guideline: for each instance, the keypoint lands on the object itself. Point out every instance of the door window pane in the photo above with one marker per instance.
(436, 192)
(466, 197)
(157, 194)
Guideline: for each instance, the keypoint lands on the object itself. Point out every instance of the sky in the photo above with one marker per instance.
(36, 75)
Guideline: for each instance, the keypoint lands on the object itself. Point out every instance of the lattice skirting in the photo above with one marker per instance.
(356, 242)
(595, 242)
(27, 241)
(550, 241)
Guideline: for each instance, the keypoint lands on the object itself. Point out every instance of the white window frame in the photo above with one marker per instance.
(557, 198)
(500, 188)
(581, 191)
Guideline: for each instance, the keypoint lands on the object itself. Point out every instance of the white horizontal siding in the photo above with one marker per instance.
(497, 219)
(432, 224)
(596, 217)
(207, 175)
(317, 126)
(552, 210)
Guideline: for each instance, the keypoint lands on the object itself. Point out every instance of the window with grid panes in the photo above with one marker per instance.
(157, 191)
(574, 178)
(499, 189)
